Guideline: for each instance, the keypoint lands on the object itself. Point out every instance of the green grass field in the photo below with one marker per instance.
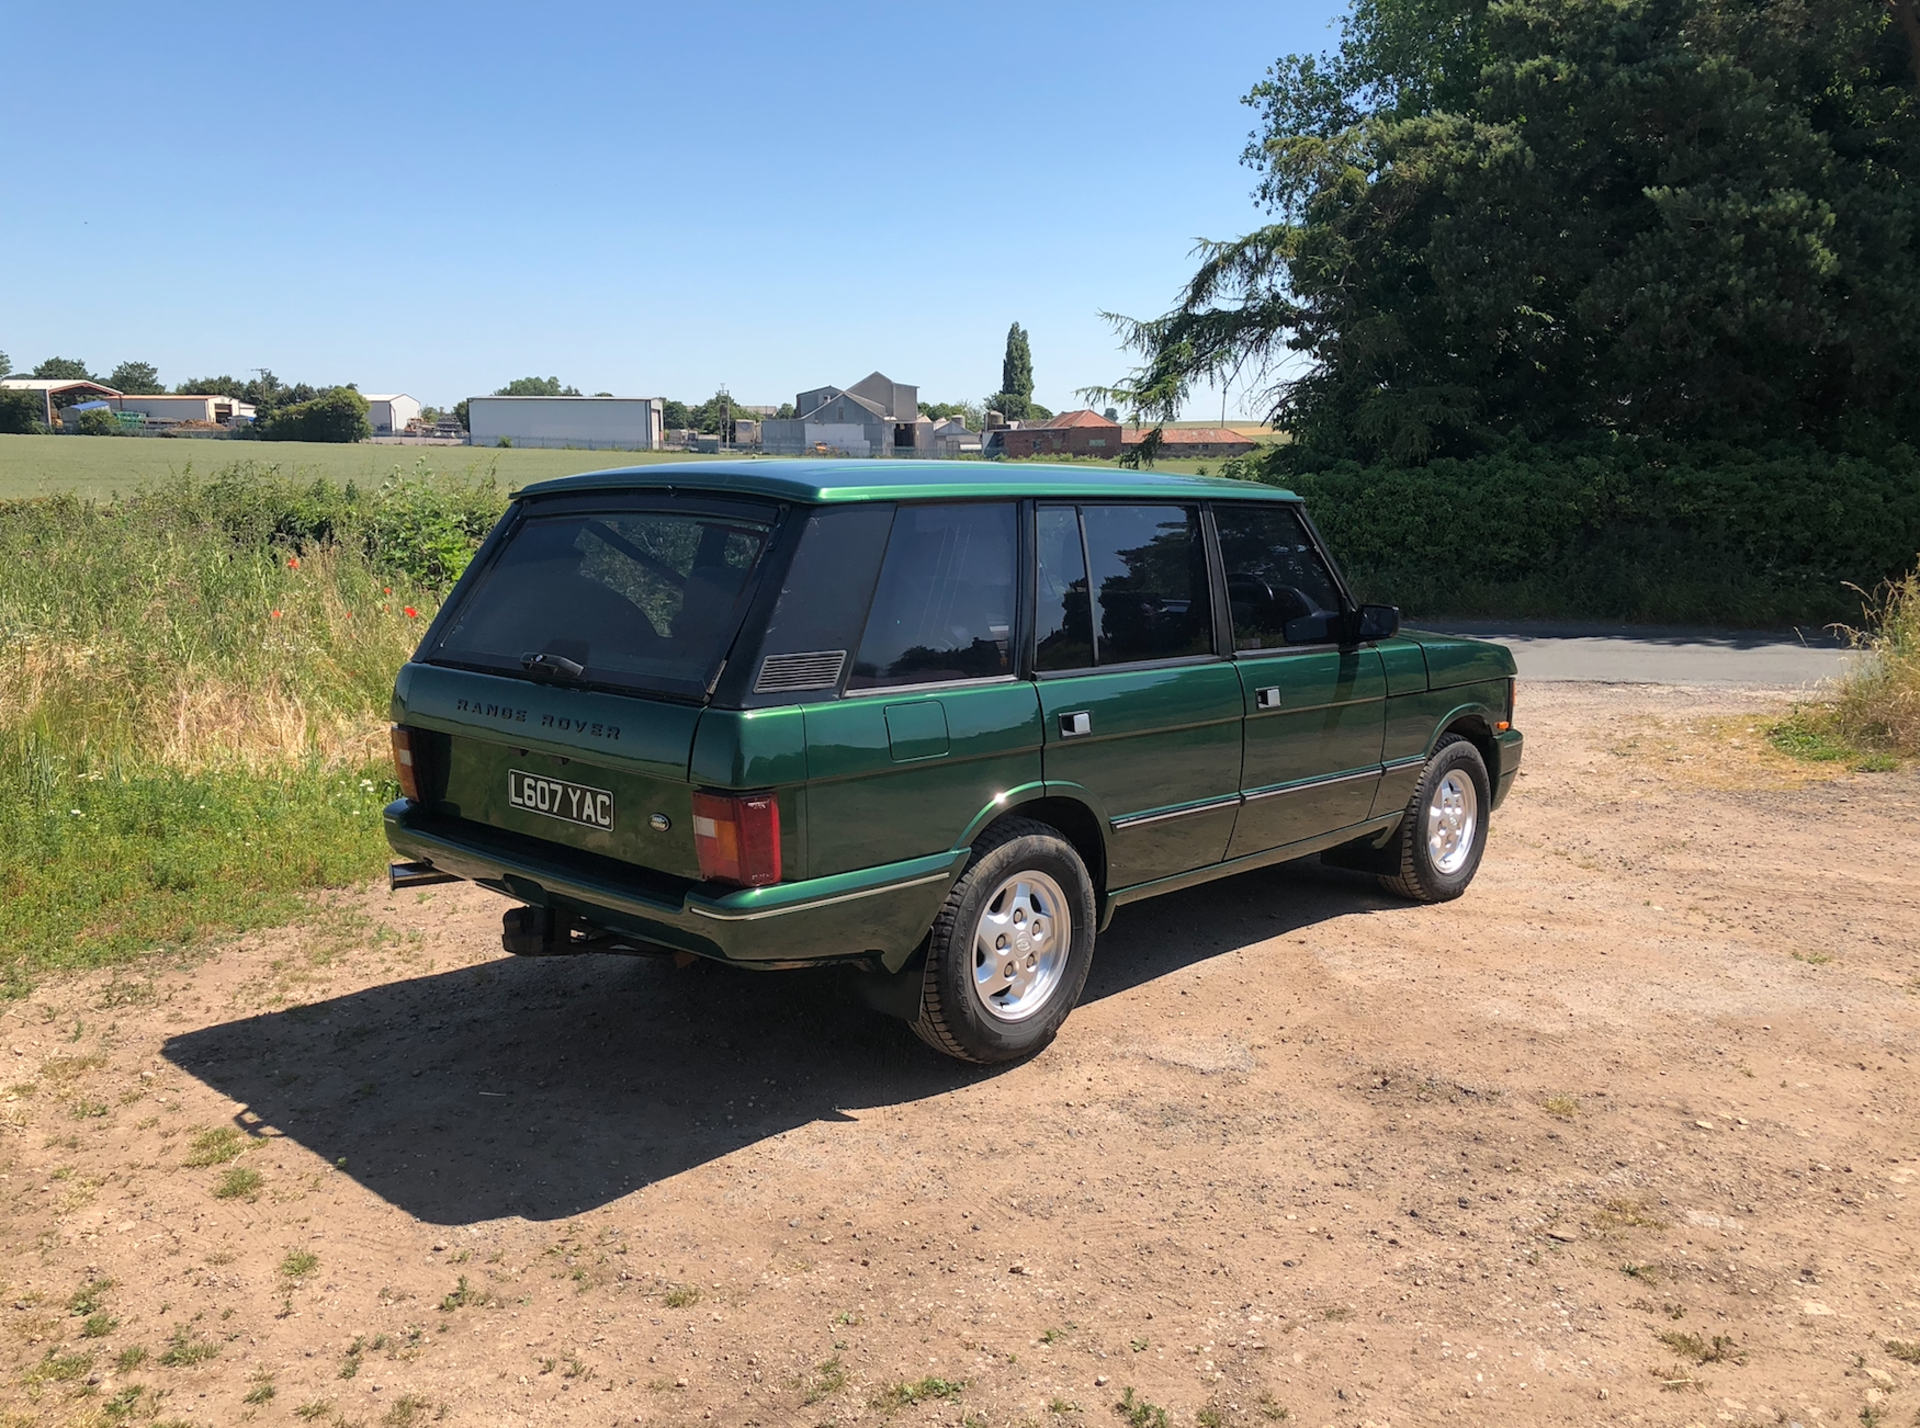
(101, 466)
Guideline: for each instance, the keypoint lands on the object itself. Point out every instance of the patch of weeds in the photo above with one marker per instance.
(1054, 1336)
(98, 1326)
(1138, 1412)
(1210, 1415)
(1061, 1407)
(828, 1379)
(1337, 1313)
(1870, 1416)
(262, 1390)
(1565, 1107)
(575, 1368)
(1679, 1379)
(1271, 1409)
(350, 1365)
(299, 1264)
(57, 1367)
(920, 1390)
(1642, 1272)
(86, 1299)
(184, 1350)
(1904, 1350)
(1627, 1215)
(239, 1180)
(89, 1110)
(682, 1296)
(463, 1294)
(215, 1147)
(319, 1408)
(1719, 1349)
(130, 1358)
(408, 1411)
(1675, 1312)
(1812, 959)
(120, 1407)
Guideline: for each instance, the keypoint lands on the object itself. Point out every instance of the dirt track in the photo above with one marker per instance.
(1300, 1148)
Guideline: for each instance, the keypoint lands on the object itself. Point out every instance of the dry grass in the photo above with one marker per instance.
(1877, 706)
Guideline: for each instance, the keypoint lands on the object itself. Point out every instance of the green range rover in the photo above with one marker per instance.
(931, 723)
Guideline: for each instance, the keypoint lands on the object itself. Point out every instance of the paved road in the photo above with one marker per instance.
(1628, 654)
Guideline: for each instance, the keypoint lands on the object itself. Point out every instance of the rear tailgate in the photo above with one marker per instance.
(577, 768)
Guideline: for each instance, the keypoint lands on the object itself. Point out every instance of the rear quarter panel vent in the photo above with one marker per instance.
(788, 673)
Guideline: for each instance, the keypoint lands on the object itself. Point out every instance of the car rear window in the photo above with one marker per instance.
(640, 600)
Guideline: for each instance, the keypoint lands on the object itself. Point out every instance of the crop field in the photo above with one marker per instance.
(98, 467)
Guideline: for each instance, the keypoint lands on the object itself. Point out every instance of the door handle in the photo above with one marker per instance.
(1073, 725)
(1268, 698)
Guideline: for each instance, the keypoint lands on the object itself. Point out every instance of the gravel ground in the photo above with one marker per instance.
(1625, 1135)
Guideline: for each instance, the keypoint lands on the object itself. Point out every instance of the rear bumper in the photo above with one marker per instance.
(1510, 744)
(883, 911)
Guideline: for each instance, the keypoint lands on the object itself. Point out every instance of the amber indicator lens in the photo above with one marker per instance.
(737, 838)
(403, 767)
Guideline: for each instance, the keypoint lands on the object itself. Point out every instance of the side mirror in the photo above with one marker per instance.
(1375, 622)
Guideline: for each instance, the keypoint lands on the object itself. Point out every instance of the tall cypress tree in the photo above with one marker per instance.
(1015, 397)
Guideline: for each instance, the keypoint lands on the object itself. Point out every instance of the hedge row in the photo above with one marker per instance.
(1623, 531)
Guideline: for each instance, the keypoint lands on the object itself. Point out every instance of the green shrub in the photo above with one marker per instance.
(97, 422)
(22, 413)
(337, 414)
(1620, 530)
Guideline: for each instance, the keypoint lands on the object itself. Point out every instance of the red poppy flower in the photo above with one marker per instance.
(387, 590)
(293, 562)
(275, 615)
(412, 613)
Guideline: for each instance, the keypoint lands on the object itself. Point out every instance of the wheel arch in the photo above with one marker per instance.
(1474, 723)
(1072, 818)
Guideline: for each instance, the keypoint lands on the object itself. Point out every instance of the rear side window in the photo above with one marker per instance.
(639, 600)
(1274, 576)
(1146, 569)
(943, 609)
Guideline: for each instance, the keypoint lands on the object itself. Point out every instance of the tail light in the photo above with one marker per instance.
(737, 836)
(403, 764)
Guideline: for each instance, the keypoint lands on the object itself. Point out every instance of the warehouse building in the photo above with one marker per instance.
(584, 423)
(392, 414)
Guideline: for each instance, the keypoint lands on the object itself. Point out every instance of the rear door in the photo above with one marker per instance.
(1315, 713)
(934, 724)
(1138, 708)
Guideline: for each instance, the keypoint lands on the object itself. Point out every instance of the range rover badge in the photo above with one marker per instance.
(660, 823)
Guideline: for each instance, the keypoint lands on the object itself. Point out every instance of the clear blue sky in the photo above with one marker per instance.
(643, 199)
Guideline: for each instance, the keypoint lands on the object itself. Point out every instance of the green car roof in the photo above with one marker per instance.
(819, 482)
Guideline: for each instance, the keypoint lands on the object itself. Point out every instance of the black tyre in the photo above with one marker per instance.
(1436, 851)
(1009, 952)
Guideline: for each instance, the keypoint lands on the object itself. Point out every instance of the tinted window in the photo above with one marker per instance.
(643, 600)
(1274, 576)
(944, 605)
(1063, 623)
(1149, 582)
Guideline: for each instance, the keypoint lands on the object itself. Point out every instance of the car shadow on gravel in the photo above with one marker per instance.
(542, 1088)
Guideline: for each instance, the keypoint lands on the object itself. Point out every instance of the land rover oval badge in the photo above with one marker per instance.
(660, 823)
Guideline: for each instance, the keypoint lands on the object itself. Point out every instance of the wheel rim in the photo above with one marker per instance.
(1020, 946)
(1453, 816)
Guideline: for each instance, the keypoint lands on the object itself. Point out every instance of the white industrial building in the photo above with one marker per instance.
(588, 423)
(392, 414)
(176, 407)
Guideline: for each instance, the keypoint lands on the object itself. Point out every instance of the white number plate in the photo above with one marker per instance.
(570, 802)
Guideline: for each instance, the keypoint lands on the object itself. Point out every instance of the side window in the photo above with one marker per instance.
(1278, 588)
(1064, 620)
(944, 605)
(1149, 582)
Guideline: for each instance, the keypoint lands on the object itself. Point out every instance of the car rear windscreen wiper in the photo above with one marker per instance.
(552, 664)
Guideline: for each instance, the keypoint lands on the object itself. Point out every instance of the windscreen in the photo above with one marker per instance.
(639, 600)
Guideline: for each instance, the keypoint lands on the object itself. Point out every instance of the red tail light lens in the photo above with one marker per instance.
(737, 836)
(403, 765)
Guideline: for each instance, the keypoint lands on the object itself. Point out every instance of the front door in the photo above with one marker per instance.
(1139, 713)
(1315, 713)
